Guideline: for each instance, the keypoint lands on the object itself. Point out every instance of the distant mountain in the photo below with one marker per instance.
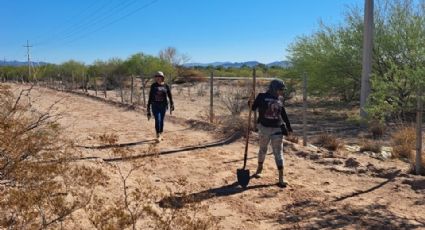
(283, 64)
(19, 63)
(250, 64)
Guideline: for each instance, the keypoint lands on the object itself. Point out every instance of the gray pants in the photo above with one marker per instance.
(273, 135)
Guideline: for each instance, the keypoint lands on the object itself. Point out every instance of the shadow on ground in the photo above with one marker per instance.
(310, 214)
(417, 185)
(226, 190)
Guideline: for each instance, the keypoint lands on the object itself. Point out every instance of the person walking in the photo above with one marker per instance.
(273, 123)
(158, 94)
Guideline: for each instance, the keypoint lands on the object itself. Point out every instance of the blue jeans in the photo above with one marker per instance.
(159, 115)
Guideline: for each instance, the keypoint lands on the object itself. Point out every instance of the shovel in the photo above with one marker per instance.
(243, 174)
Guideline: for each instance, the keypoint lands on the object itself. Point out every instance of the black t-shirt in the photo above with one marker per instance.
(158, 95)
(271, 111)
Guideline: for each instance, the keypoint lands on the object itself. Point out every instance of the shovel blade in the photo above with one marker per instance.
(243, 177)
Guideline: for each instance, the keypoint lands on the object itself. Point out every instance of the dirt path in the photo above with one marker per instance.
(326, 190)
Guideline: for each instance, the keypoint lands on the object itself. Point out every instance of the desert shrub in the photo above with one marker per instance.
(217, 91)
(328, 141)
(376, 128)
(372, 146)
(182, 211)
(235, 100)
(136, 203)
(137, 96)
(290, 91)
(231, 124)
(189, 76)
(202, 90)
(39, 186)
(403, 141)
(206, 116)
(129, 208)
(179, 90)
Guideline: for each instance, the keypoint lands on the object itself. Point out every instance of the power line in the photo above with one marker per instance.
(99, 15)
(114, 21)
(46, 35)
(103, 18)
(71, 27)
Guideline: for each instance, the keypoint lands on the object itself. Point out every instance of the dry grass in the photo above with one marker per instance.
(377, 129)
(371, 146)
(40, 187)
(403, 142)
(329, 142)
(236, 100)
(231, 124)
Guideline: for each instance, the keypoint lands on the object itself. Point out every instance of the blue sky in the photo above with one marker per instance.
(205, 30)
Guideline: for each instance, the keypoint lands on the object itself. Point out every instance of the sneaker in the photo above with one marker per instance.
(257, 175)
(282, 184)
(259, 171)
(161, 137)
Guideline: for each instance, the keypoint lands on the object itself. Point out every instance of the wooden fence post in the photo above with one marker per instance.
(144, 82)
(304, 109)
(104, 85)
(73, 82)
(132, 89)
(121, 90)
(95, 85)
(211, 97)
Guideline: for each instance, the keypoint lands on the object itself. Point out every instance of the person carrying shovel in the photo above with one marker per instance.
(158, 100)
(273, 123)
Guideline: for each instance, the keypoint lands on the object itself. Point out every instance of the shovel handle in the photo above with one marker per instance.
(247, 137)
(249, 118)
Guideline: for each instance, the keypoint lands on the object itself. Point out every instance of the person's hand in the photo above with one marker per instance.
(290, 132)
(149, 115)
(250, 102)
(172, 107)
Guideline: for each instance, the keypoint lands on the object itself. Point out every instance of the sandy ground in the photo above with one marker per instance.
(326, 190)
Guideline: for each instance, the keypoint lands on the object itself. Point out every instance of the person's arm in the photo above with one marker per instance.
(151, 93)
(286, 119)
(256, 102)
(170, 96)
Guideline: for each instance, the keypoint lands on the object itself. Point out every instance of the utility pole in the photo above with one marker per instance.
(29, 60)
(367, 56)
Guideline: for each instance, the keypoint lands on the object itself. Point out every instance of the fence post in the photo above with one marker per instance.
(144, 82)
(131, 91)
(86, 83)
(104, 85)
(418, 165)
(73, 82)
(95, 84)
(211, 97)
(121, 90)
(304, 109)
